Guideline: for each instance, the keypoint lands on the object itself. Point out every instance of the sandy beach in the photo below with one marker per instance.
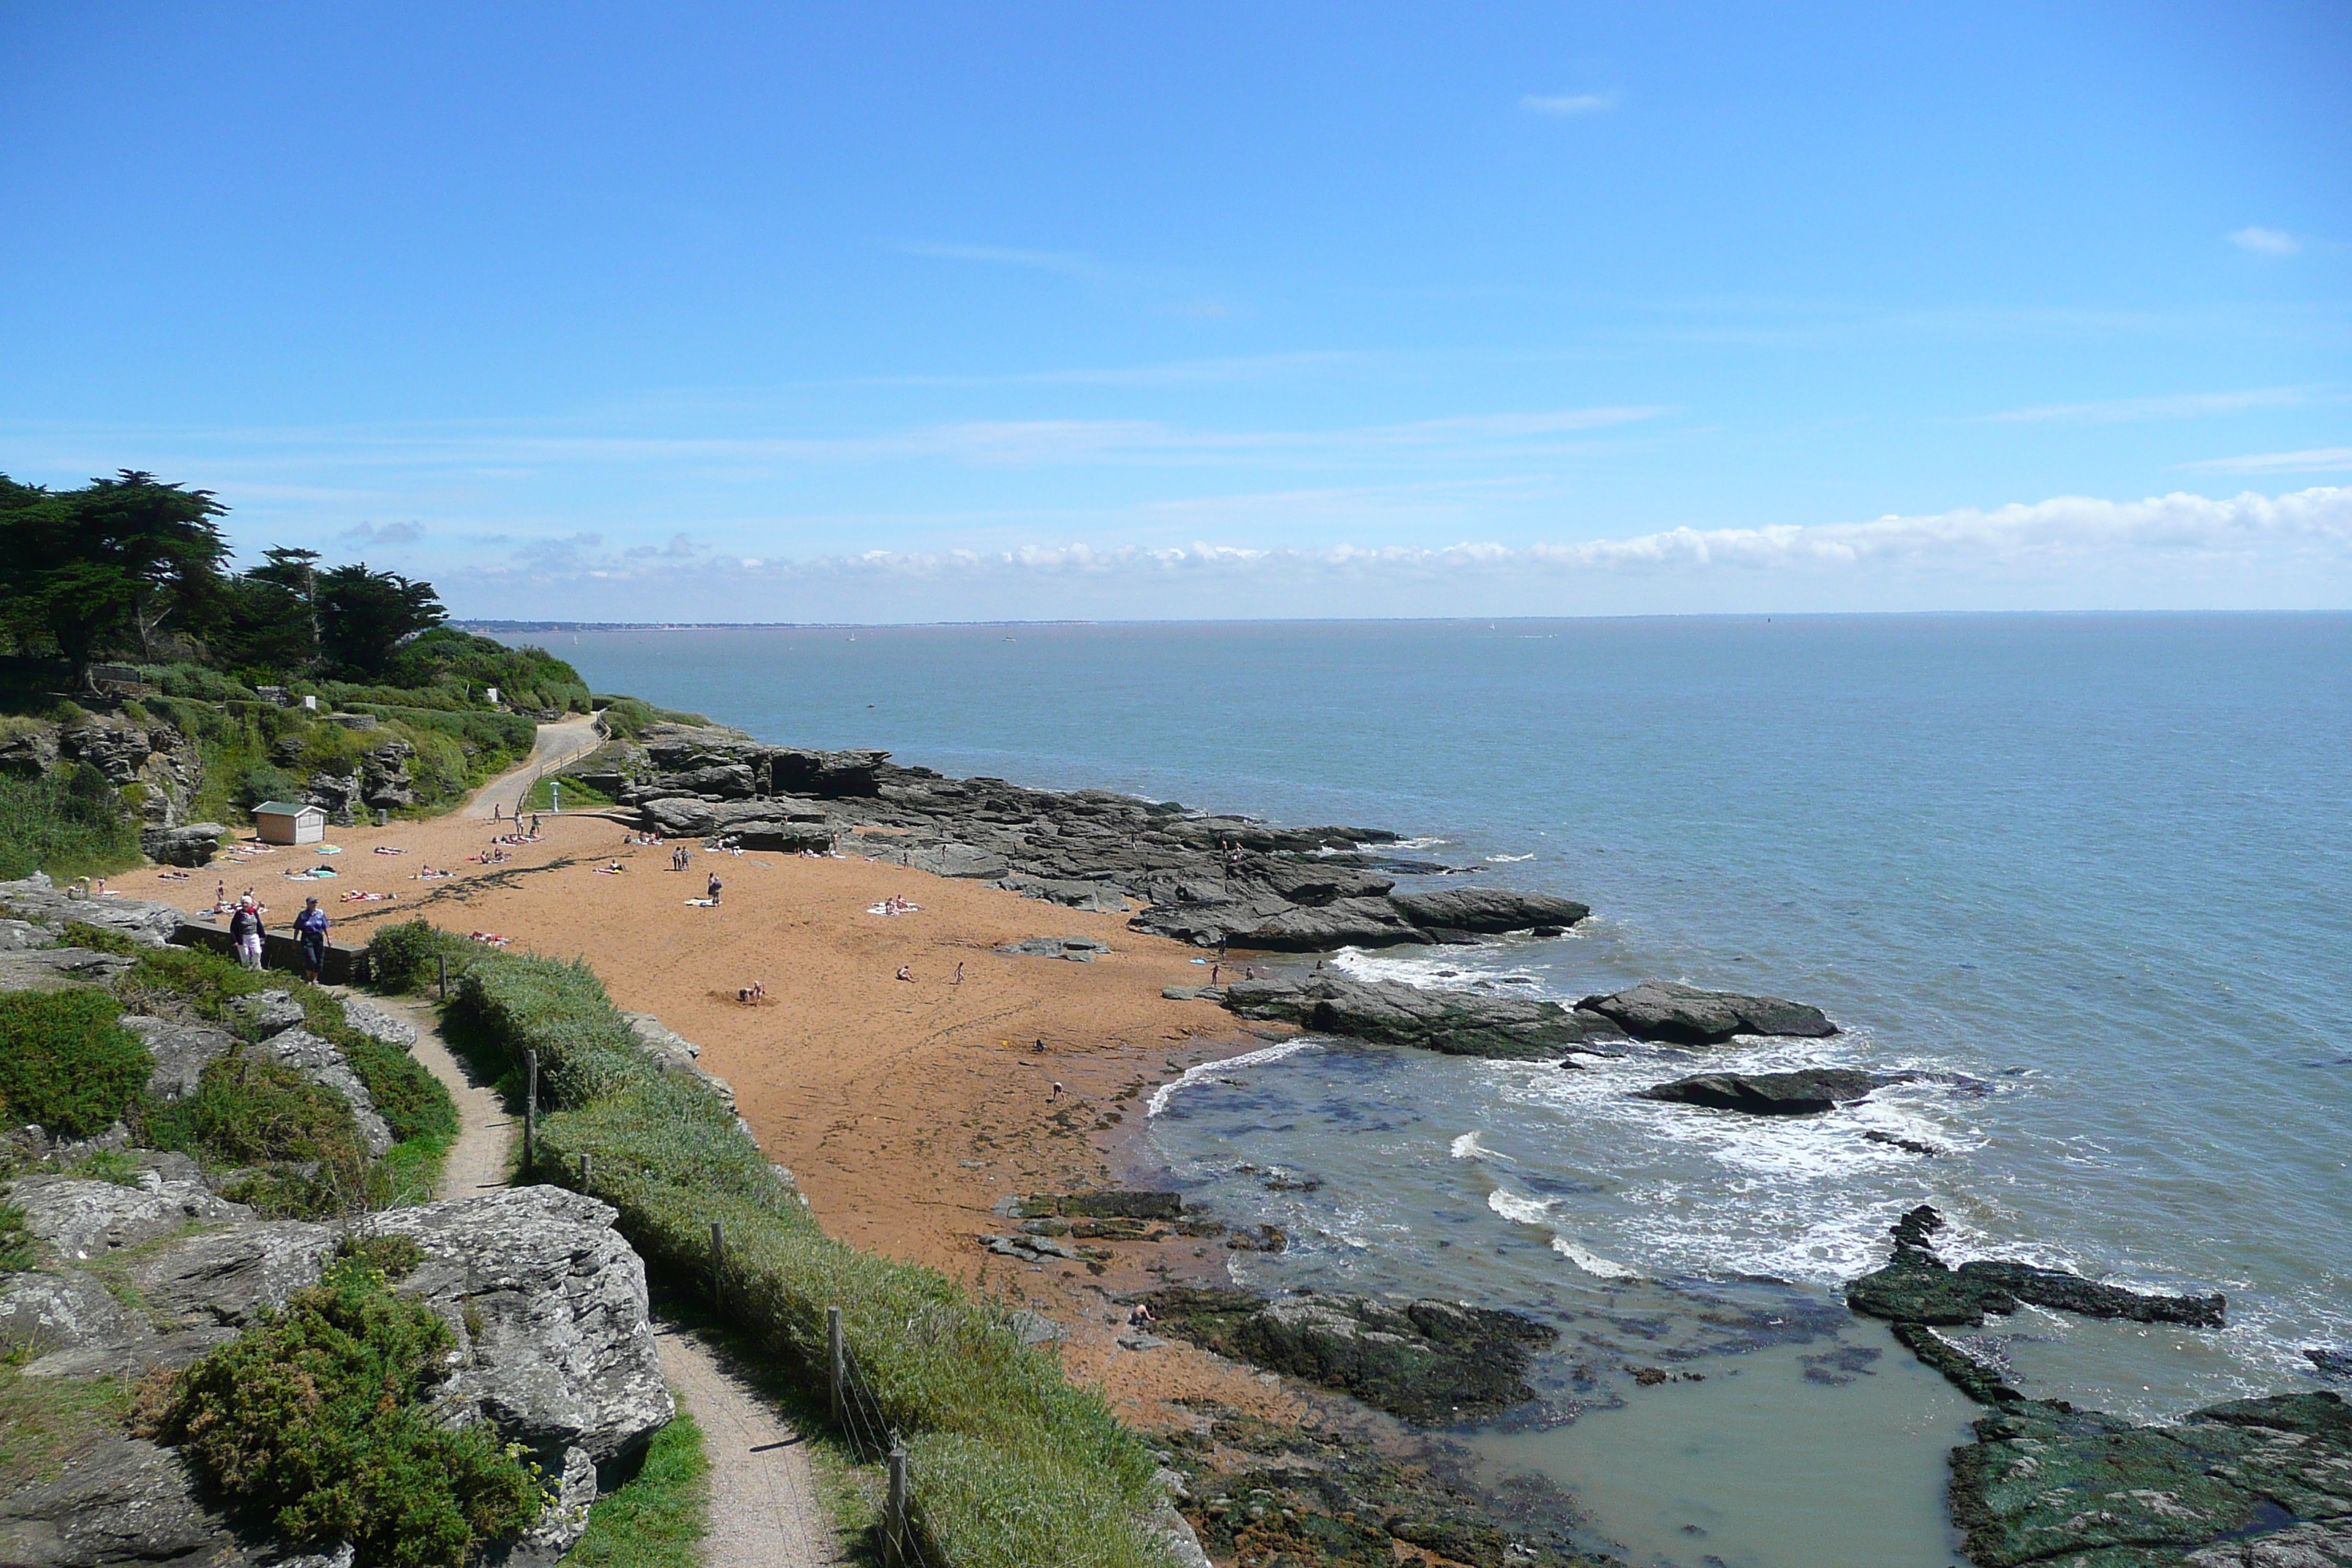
(905, 1108)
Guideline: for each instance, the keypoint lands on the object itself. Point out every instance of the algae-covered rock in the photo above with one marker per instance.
(1918, 1286)
(1435, 1363)
(2251, 1483)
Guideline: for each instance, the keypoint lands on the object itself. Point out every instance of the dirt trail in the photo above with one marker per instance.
(479, 1158)
(764, 1510)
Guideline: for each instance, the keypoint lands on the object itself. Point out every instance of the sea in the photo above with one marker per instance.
(2088, 877)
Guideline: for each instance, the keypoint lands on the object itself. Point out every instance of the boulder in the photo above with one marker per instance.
(1271, 925)
(55, 968)
(1805, 1092)
(267, 1013)
(83, 1219)
(559, 1354)
(213, 1284)
(950, 860)
(2250, 1483)
(24, 936)
(1488, 911)
(673, 1052)
(193, 845)
(1093, 896)
(1076, 948)
(323, 1062)
(68, 1323)
(121, 1502)
(1434, 1363)
(1685, 1014)
(1457, 1023)
(380, 1023)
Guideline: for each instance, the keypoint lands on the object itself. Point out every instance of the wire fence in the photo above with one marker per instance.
(858, 1414)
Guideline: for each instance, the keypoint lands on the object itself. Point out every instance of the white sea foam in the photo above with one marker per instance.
(1507, 860)
(1467, 1147)
(1519, 1207)
(1166, 1092)
(1593, 1263)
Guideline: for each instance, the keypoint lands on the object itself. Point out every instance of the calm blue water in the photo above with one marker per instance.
(2101, 863)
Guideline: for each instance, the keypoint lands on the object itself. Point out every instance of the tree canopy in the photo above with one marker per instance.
(118, 564)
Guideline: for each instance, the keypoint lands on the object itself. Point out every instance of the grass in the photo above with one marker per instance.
(577, 796)
(657, 1517)
(1010, 1465)
(48, 1422)
(56, 823)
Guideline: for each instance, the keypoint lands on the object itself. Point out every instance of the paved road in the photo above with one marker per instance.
(557, 744)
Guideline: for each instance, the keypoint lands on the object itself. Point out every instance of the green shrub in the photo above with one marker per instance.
(411, 1101)
(16, 1243)
(1002, 1440)
(322, 1417)
(627, 716)
(61, 824)
(247, 1110)
(65, 1064)
(98, 939)
(394, 1257)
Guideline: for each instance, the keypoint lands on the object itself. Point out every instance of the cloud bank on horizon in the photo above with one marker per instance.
(2178, 551)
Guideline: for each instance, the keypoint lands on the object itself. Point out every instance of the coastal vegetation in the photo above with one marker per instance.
(200, 715)
(65, 1063)
(1010, 1465)
(322, 1417)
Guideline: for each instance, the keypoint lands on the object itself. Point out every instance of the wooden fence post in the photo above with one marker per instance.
(584, 1168)
(530, 1113)
(718, 1266)
(894, 1543)
(835, 1353)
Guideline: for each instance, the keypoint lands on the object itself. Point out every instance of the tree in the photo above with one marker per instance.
(365, 615)
(268, 630)
(296, 572)
(115, 565)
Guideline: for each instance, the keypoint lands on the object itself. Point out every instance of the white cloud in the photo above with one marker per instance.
(1570, 102)
(2124, 410)
(391, 534)
(2265, 242)
(2313, 461)
(2073, 538)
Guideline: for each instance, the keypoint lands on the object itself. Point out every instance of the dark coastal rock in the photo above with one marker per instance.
(1269, 924)
(1076, 948)
(1805, 1093)
(193, 845)
(1488, 911)
(1918, 1286)
(1091, 896)
(1429, 1362)
(1117, 1204)
(2328, 1362)
(1685, 1014)
(2250, 1483)
(1457, 1023)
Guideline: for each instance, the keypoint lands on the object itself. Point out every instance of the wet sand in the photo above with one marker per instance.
(906, 1109)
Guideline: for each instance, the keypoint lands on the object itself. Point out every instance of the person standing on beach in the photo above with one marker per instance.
(245, 933)
(310, 934)
(713, 890)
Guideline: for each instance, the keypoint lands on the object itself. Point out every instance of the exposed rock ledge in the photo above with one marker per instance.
(1458, 1023)
(1685, 1014)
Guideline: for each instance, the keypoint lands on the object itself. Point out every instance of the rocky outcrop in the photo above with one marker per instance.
(40, 899)
(85, 1219)
(1489, 911)
(323, 1062)
(1805, 1093)
(1433, 1362)
(1687, 1016)
(673, 1052)
(2252, 1483)
(548, 1305)
(379, 1023)
(1076, 948)
(545, 1301)
(1208, 880)
(193, 845)
(1458, 1023)
(1918, 1286)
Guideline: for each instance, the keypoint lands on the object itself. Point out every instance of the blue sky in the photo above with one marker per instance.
(921, 311)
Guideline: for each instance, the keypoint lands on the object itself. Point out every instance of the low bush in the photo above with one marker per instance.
(16, 1242)
(65, 1064)
(321, 1416)
(98, 939)
(1001, 1439)
(249, 1110)
(411, 1101)
(627, 716)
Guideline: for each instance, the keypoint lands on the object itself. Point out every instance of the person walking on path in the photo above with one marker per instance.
(311, 933)
(245, 933)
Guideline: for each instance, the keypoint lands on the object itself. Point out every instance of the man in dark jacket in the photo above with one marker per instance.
(310, 931)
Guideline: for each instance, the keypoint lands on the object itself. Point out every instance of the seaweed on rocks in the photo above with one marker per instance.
(1432, 1362)
(1918, 1286)
(1260, 1492)
(2250, 1483)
